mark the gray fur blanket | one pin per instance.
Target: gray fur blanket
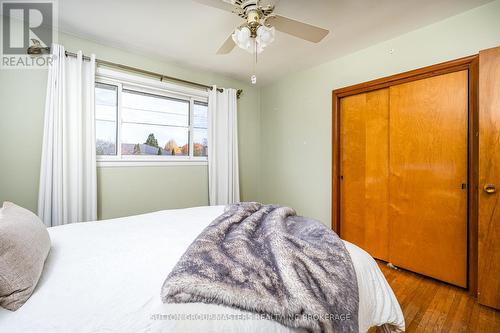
(266, 260)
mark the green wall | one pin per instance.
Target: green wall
(22, 98)
(296, 109)
(121, 190)
(284, 128)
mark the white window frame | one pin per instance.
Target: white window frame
(125, 81)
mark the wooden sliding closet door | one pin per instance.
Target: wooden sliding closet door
(428, 176)
(365, 171)
(489, 178)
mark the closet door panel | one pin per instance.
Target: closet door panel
(365, 171)
(428, 165)
(489, 178)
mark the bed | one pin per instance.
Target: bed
(106, 276)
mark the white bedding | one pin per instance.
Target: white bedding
(106, 277)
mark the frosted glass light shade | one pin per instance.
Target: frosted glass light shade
(242, 38)
(265, 36)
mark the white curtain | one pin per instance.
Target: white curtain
(67, 191)
(223, 175)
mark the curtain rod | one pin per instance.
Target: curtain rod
(144, 72)
(38, 49)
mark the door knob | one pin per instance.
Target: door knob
(490, 188)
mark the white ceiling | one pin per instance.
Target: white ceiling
(189, 33)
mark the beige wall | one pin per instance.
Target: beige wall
(121, 191)
(296, 110)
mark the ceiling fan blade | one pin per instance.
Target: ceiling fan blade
(228, 46)
(298, 29)
(219, 4)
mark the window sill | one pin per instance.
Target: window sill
(149, 163)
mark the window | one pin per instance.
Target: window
(149, 124)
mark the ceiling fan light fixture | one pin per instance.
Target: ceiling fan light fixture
(263, 37)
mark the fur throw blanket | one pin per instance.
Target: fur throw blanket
(267, 260)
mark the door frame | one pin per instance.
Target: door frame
(471, 63)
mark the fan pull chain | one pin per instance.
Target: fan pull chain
(253, 78)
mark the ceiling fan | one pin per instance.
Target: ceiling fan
(260, 24)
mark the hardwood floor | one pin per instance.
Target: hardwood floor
(432, 306)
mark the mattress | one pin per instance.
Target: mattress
(106, 276)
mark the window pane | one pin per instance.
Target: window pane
(200, 115)
(200, 142)
(106, 113)
(140, 139)
(200, 132)
(152, 109)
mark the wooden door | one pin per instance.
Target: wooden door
(365, 171)
(428, 173)
(489, 178)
